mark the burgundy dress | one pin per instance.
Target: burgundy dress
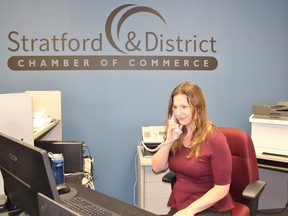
(196, 176)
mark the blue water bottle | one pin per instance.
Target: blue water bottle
(57, 163)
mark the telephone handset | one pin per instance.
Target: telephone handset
(177, 130)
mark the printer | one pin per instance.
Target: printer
(269, 130)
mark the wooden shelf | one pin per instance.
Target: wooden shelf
(37, 133)
(16, 114)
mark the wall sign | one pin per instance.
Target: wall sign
(132, 49)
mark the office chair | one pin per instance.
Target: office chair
(245, 187)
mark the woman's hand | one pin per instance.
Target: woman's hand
(171, 134)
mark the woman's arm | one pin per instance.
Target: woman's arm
(212, 196)
(215, 194)
(160, 158)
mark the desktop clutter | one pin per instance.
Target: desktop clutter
(29, 175)
(65, 161)
(70, 163)
(78, 164)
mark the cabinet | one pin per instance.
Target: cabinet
(270, 136)
(153, 194)
(16, 114)
(273, 170)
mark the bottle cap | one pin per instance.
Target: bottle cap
(55, 156)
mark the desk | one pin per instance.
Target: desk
(270, 135)
(106, 201)
(273, 170)
(110, 203)
(153, 194)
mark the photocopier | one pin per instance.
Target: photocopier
(269, 130)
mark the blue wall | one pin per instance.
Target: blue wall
(107, 108)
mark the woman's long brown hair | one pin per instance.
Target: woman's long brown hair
(203, 125)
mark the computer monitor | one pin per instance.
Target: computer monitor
(49, 207)
(26, 172)
(72, 151)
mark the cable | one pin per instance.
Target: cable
(136, 180)
(88, 169)
(136, 168)
(178, 132)
(159, 146)
(92, 159)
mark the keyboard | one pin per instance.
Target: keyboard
(86, 207)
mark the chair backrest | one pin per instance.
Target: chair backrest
(244, 162)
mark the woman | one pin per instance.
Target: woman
(200, 157)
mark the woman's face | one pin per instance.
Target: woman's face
(182, 110)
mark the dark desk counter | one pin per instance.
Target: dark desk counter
(109, 202)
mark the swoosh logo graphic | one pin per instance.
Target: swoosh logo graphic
(126, 15)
